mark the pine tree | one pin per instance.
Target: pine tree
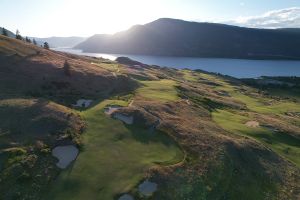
(18, 35)
(67, 68)
(46, 45)
(27, 40)
(4, 32)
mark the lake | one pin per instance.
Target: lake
(239, 68)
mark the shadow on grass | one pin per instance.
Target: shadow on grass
(146, 136)
(276, 137)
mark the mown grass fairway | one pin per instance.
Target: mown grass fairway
(260, 104)
(114, 159)
(284, 144)
(163, 90)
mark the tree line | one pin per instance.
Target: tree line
(18, 36)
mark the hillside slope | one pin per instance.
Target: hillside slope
(196, 135)
(171, 37)
(30, 70)
(36, 114)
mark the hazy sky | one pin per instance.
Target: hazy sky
(43, 18)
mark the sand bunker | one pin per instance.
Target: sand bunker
(111, 109)
(223, 93)
(126, 197)
(252, 124)
(83, 103)
(147, 188)
(124, 118)
(65, 155)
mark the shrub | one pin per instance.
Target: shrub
(46, 45)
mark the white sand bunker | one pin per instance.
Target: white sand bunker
(147, 188)
(126, 197)
(111, 109)
(252, 124)
(83, 103)
(124, 118)
(65, 155)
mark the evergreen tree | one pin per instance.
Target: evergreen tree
(27, 40)
(18, 35)
(46, 45)
(34, 42)
(67, 68)
(4, 32)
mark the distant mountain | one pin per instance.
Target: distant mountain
(61, 41)
(9, 33)
(172, 37)
(53, 41)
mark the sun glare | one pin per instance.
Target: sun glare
(103, 16)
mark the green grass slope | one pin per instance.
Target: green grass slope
(201, 148)
(284, 144)
(162, 90)
(226, 159)
(115, 158)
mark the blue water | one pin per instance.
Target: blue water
(239, 68)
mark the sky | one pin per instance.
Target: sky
(45, 18)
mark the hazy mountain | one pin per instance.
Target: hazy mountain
(9, 33)
(53, 41)
(61, 41)
(172, 37)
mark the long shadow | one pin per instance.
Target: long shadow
(145, 135)
(280, 138)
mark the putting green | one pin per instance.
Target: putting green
(114, 159)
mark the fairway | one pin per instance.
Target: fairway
(163, 90)
(284, 144)
(260, 104)
(114, 160)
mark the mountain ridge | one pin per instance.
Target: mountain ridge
(54, 41)
(173, 37)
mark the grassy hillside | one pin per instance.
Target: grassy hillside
(28, 70)
(282, 143)
(224, 164)
(115, 158)
(29, 129)
(162, 90)
(197, 135)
